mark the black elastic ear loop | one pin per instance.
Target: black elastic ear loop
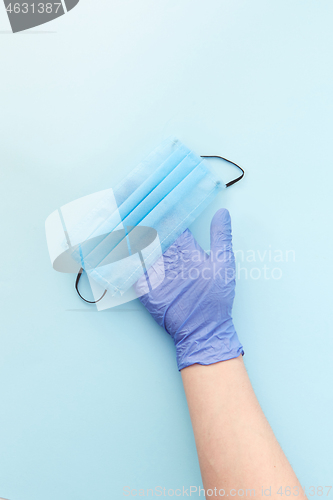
(225, 159)
(77, 289)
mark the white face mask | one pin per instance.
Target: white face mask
(118, 234)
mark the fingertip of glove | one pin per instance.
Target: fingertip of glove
(221, 220)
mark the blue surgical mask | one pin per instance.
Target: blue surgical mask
(120, 237)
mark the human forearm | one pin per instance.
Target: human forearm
(236, 446)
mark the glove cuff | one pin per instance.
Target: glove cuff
(214, 350)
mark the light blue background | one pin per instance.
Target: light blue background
(92, 402)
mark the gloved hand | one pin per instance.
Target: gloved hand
(194, 301)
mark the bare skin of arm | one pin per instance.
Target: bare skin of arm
(236, 446)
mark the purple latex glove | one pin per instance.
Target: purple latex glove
(194, 301)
